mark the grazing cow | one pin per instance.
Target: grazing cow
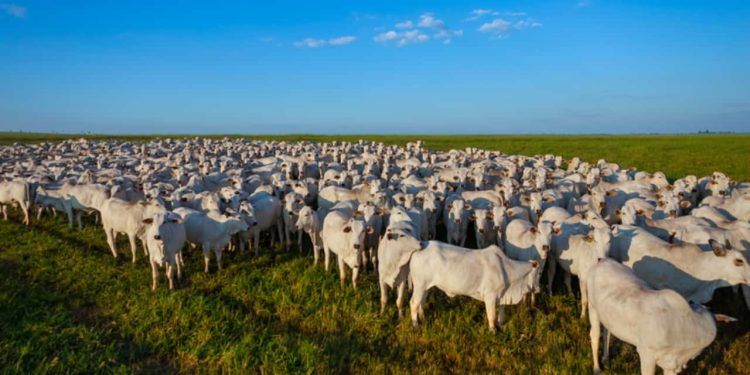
(213, 234)
(16, 192)
(685, 268)
(666, 330)
(165, 238)
(487, 275)
(343, 234)
(83, 198)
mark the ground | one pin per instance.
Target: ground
(67, 305)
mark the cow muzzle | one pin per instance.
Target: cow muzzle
(157, 237)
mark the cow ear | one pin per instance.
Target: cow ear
(611, 193)
(639, 212)
(534, 230)
(467, 207)
(148, 221)
(685, 204)
(534, 264)
(721, 318)
(347, 229)
(370, 230)
(719, 250)
(727, 245)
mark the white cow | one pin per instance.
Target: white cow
(685, 268)
(209, 232)
(344, 235)
(666, 330)
(395, 250)
(16, 192)
(487, 275)
(165, 238)
(577, 253)
(524, 241)
(310, 222)
(119, 216)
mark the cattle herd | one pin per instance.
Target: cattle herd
(647, 252)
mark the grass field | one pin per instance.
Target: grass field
(67, 306)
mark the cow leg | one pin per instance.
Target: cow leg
(383, 296)
(111, 238)
(5, 213)
(280, 231)
(500, 315)
(327, 256)
(400, 298)
(607, 338)
(69, 214)
(568, 284)
(355, 274)
(299, 240)
(217, 252)
(490, 304)
(131, 238)
(648, 362)
(415, 305)
(154, 275)
(551, 270)
(25, 210)
(39, 213)
(342, 270)
(256, 242)
(206, 252)
(594, 335)
(179, 263)
(584, 297)
(170, 273)
(78, 218)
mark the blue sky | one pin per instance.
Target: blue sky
(437, 66)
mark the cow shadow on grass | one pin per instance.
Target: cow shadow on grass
(44, 304)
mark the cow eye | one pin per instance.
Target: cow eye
(739, 262)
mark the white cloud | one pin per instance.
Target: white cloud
(428, 27)
(405, 25)
(427, 20)
(402, 38)
(386, 36)
(498, 25)
(13, 10)
(479, 13)
(317, 43)
(342, 40)
(500, 28)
